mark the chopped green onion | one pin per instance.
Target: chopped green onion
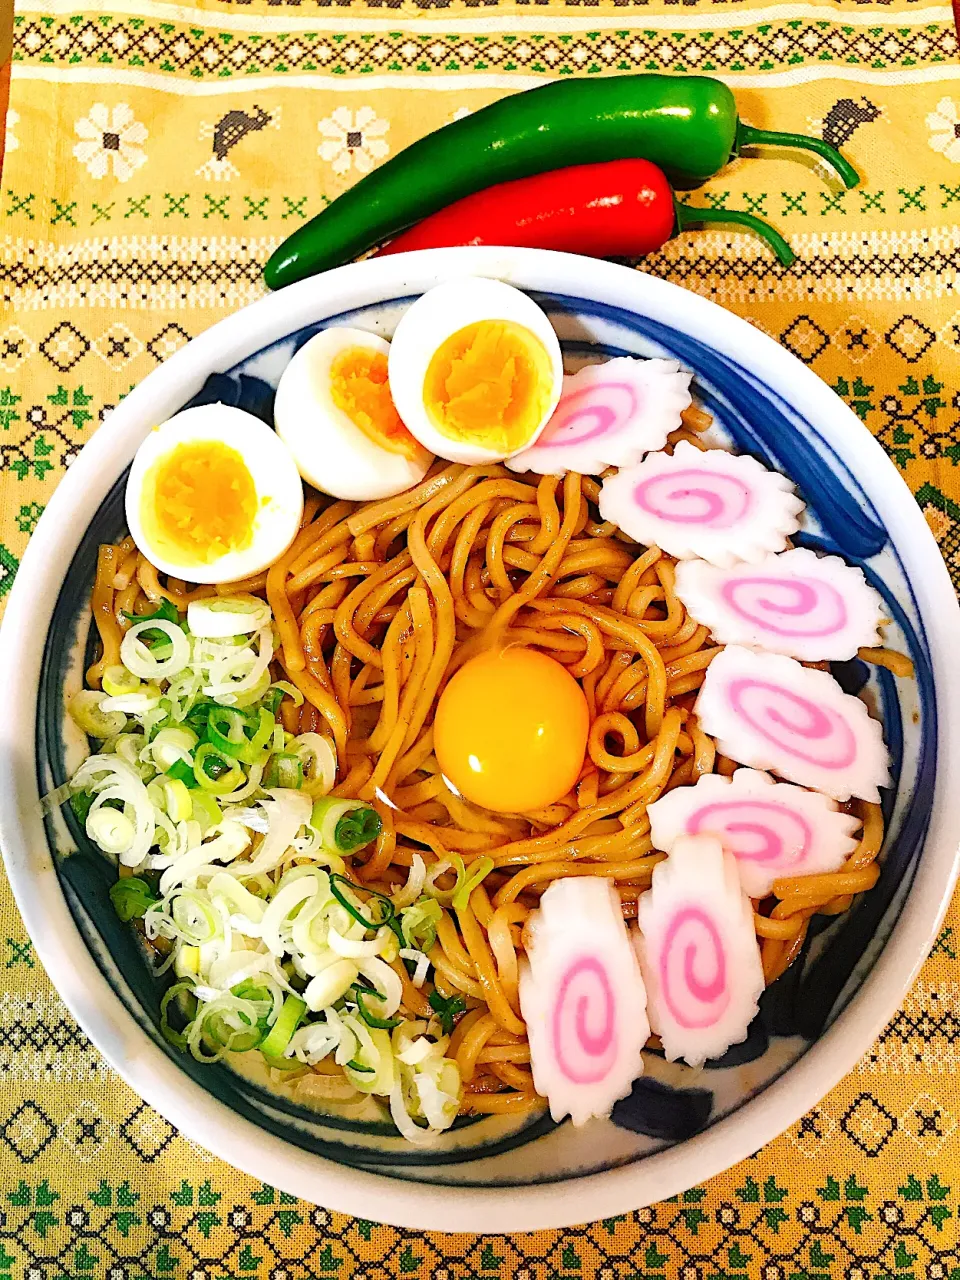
(80, 803)
(215, 774)
(118, 681)
(176, 1038)
(351, 910)
(356, 829)
(84, 708)
(250, 989)
(288, 1019)
(187, 961)
(447, 1009)
(228, 616)
(284, 770)
(110, 827)
(272, 699)
(354, 1065)
(206, 811)
(131, 897)
(478, 871)
(330, 817)
(225, 730)
(178, 802)
(253, 748)
(165, 611)
(419, 924)
(171, 744)
(384, 1024)
(274, 695)
(180, 771)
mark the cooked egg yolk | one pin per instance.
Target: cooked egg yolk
(199, 502)
(359, 388)
(489, 383)
(510, 730)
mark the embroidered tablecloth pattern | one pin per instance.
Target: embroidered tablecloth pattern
(155, 155)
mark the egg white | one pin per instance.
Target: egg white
(428, 323)
(330, 450)
(278, 488)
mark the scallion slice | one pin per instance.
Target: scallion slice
(383, 1024)
(329, 817)
(284, 770)
(387, 906)
(280, 1034)
(215, 774)
(164, 612)
(477, 871)
(356, 829)
(225, 730)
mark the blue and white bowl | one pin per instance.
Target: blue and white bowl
(679, 1126)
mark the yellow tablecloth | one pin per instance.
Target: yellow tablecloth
(155, 155)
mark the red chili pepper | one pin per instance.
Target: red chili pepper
(618, 209)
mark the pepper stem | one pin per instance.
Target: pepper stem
(688, 217)
(748, 136)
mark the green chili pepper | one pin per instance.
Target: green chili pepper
(688, 125)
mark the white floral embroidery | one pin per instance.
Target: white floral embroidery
(353, 139)
(109, 140)
(13, 118)
(944, 126)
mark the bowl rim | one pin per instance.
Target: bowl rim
(99, 1010)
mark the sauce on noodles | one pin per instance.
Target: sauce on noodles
(377, 604)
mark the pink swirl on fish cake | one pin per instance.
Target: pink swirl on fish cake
(703, 504)
(601, 409)
(756, 830)
(813, 608)
(769, 711)
(794, 602)
(771, 718)
(583, 1025)
(695, 496)
(693, 969)
(609, 415)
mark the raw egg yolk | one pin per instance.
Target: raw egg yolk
(199, 502)
(359, 388)
(510, 730)
(489, 383)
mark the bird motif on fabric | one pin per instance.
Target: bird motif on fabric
(227, 132)
(844, 118)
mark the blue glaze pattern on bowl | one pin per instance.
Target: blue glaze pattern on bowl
(671, 1102)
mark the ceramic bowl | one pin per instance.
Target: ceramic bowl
(678, 1126)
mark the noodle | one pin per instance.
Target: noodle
(377, 604)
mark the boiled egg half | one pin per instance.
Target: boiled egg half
(475, 370)
(335, 413)
(213, 495)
